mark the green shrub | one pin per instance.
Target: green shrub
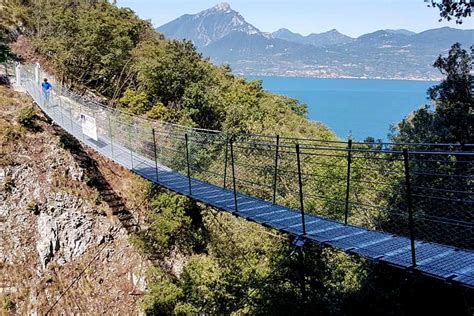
(33, 207)
(161, 298)
(162, 294)
(170, 225)
(26, 117)
(8, 304)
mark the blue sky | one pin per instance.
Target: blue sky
(352, 17)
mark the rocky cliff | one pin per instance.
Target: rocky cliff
(64, 221)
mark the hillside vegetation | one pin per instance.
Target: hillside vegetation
(203, 261)
(119, 56)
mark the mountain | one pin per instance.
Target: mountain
(223, 35)
(208, 26)
(401, 31)
(331, 37)
(287, 35)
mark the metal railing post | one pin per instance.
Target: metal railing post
(156, 155)
(80, 120)
(130, 143)
(275, 173)
(225, 160)
(300, 184)
(71, 116)
(60, 109)
(348, 179)
(187, 159)
(37, 76)
(18, 74)
(233, 172)
(111, 136)
(411, 224)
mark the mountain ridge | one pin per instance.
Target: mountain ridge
(223, 35)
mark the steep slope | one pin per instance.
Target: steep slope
(60, 214)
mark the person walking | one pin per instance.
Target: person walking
(46, 88)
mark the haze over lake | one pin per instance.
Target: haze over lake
(356, 107)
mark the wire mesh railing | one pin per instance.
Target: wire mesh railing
(421, 191)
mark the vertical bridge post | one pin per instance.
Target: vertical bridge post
(18, 74)
(411, 224)
(275, 173)
(300, 184)
(225, 160)
(156, 155)
(130, 142)
(71, 116)
(111, 136)
(187, 159)
(233, 172)
(37, 76)
(348, 179)
(60, 108)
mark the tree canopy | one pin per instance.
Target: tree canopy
(449, 118)
(453, 9)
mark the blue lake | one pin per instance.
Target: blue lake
(354, 107)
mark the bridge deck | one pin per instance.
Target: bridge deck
(435, 260)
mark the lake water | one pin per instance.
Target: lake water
(354, 107)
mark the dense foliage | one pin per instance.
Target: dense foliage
(5, 53)
(97, 45)
(213, 263)
(449, 9)
(449, 119)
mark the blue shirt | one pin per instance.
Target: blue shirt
(46, 86)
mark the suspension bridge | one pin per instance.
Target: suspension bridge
(406, 205)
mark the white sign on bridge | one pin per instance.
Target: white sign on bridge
(88, 126)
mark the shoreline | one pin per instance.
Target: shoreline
(246, 75)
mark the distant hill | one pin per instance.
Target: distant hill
(223, 34)
(331, 37)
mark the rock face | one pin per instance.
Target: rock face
(53, 224)
(64, 231)
(208, 26)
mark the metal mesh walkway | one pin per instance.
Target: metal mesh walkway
(205, 166)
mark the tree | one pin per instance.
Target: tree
(450, 9)
(452, 120)
(445, 197)
(5, 53)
